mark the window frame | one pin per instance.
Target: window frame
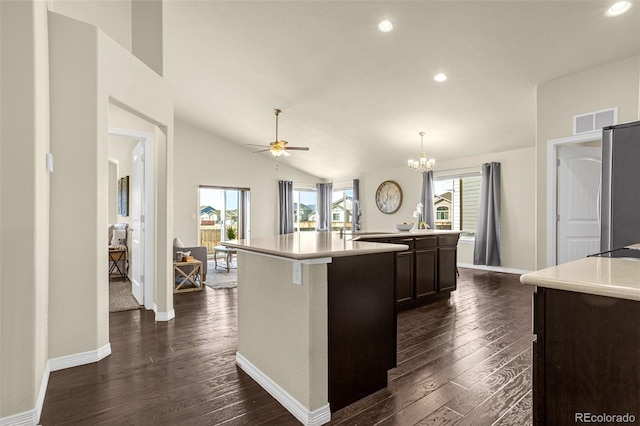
(459, 174)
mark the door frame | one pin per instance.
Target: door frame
(552, 184)
(149, 211)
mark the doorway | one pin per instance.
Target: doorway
(224, 215)
(578, 202)
(579, 211)
(142, 216)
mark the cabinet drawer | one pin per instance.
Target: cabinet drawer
(448, 240)
(426, 242)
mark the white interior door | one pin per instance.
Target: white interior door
(137, 223)
(578, 203)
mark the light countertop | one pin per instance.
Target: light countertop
(311, 245)
(601, 276)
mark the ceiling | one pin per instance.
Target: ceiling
(359, 97)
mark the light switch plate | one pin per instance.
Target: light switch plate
(49, 162)
(297, 273)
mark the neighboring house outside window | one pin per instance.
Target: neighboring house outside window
(456, 202)
(305, 202)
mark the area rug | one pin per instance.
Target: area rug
(120, 297)
(218, 278)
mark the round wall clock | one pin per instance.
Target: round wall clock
(388, 197)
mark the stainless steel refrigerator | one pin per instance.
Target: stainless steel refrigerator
(620, 208)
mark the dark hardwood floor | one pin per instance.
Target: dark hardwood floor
(463, 361)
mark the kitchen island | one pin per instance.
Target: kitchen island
(316, 319)
(586, 355)
(427, 270)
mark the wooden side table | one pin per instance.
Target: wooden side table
(187, 276)
(117, 258)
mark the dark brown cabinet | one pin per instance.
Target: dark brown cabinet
(426, 270)
(447, 269)
(585, 358)
(404, 277)
(362, 326)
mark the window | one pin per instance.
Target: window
(305, 208)
(442, 213)
(456, 201)
(342, 209)
(221, 208)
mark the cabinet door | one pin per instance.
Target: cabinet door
(447, 268)
(426, 273)
(404, 278)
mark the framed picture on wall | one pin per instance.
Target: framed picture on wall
(123, 196)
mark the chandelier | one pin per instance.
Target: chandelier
(422, 165)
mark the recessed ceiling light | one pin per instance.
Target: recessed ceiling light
(618, 8)
(440, 77)
(385, 26)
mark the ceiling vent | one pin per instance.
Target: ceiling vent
(593, 121)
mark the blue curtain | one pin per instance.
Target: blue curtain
(357, 211)
(426, 198)
(285, 196)
(323, 191)
(487, 246)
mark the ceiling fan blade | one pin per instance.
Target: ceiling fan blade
(297, 148)
(261, 146)
(262, 150)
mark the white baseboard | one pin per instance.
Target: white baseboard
(32, 417)
(494, 268)
(26, 418)
(163, 316)
(316, 417)
(82, 358)
(43, 390)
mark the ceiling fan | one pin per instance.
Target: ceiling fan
(279, 147)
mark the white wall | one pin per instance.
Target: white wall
(147, 35)
(90, 71)
(612, 85)
(203, 159)
(24, 207)
(518, 203)
(112, 17)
